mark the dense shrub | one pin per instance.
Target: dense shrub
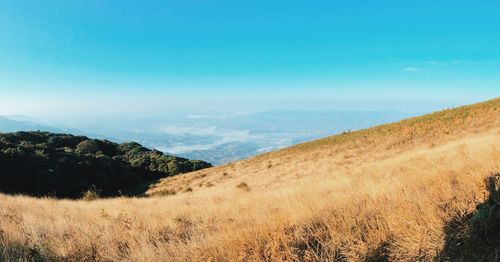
(87, 147)
(61, 165)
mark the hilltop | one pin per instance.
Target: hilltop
(421, 189)
(61, 165)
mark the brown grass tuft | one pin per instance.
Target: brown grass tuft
(243, 186)
(91, 194)
(166, 192)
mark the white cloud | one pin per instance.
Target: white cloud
(220, 136)
(444, 63)
(412, 69)
(434, 62)
(205, 116)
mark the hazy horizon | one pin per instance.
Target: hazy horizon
(216, 138)
(225, 80)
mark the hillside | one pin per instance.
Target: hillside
(422, 189)
(60, 165)
(342, 152)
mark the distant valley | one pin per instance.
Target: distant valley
(219, 138)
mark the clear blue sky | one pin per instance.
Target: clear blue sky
(91, 56)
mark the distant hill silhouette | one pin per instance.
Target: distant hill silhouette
(65, 166)
(13, 125)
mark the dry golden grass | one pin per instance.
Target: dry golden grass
(342, 152)
(387, 193)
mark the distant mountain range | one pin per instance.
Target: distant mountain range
(11, 125)
(16, 123)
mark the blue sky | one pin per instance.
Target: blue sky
(89, 57)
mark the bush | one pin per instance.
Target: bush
(87, 147)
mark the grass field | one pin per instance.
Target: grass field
(399, 192)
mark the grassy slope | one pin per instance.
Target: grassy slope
(341, 152)
(393, 192)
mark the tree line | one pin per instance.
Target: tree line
(64, 166)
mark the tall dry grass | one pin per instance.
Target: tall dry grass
(342, 152)
(393, 209)
(396, 192)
